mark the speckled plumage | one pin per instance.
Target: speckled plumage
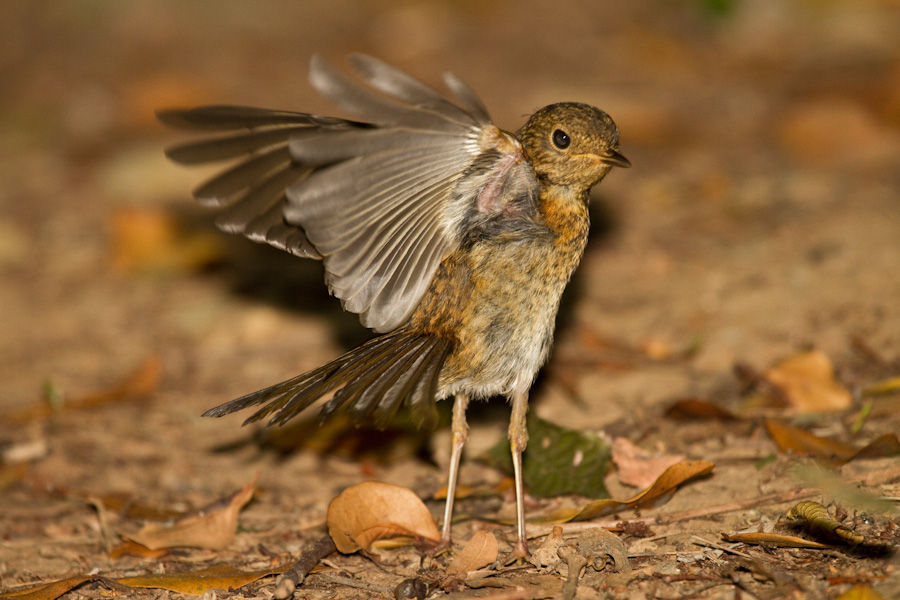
(452, 237)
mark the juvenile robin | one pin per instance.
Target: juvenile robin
(450, 237)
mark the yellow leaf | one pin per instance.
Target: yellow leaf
(774, 539)
(885, 386)
(372, 511)
(48, 591)
(861, 591)
(197, 582)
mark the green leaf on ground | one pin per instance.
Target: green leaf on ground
(558, 460)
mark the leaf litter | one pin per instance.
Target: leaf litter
(783, 259)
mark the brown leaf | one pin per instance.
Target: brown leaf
(802, 443)
(130, 548)
(197, 582)
(806, 381)
(48, 591)
(480, 551)
(372, 511)
(774, 539)
(689, 409)
(636, 466)
(882, 446)
(211, 527)
(142, 382)
(655, 495)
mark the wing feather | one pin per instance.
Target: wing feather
(381, 200)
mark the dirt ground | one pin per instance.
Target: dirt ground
(761, 219)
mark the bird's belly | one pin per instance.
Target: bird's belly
(509, 319)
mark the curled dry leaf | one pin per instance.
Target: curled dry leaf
(480, 551)
(807, 382)
(636, 466)
(211, 527)
(372, 511)
(655, 495)
(597, 543)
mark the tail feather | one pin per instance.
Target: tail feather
(362, 396)
(374, 380)
(424, 386)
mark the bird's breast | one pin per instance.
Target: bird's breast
(497, 300)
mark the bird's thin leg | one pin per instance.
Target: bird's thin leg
(518, 439)
(460, 430)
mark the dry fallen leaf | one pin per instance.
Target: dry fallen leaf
(806, 381)
(655, 495)
(689, 409)
(130, 548)
(371, 511)
(47, 591)
(211, 527)
(197, 582)
(861, 591)
(773, 539)
(480, 551)
(802, 443)
(636, 466)
(141, 382)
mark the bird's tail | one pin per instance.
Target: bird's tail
(373, 381)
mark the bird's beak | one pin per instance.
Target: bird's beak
(612, 157)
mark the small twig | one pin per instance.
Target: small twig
(360, 585)
(701, 542)
(685, 515)
(105, 531)
(288, 582)
(576, 562)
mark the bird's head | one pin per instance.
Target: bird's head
(571, 144)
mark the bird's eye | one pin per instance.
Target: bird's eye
(561, 139)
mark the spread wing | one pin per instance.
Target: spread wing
(381, 202)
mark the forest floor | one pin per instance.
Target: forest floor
(760, 224)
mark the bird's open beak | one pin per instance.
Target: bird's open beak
(612, 157)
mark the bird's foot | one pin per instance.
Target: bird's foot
(519, 555)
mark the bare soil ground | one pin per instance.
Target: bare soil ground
(761, 219)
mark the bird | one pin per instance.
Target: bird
(451, 238)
